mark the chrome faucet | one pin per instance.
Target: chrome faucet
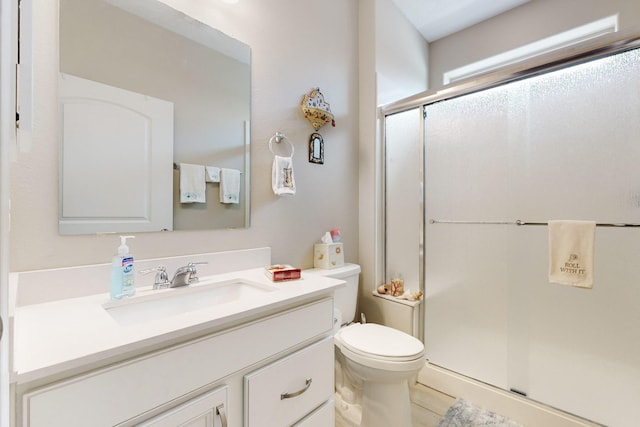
(162, 279)
(185, 275)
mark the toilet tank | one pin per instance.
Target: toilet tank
(345, 298)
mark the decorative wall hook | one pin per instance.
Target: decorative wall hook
(316, 110)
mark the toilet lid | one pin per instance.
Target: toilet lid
(381, 341)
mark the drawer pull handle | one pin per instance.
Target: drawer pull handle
(297, 393)
(221, 413)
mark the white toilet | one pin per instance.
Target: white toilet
(373, 362)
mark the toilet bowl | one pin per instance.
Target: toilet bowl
(378, 361)
(373, 363)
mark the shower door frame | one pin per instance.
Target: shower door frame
(597, 48)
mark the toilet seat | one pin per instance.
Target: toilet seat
(380, 347)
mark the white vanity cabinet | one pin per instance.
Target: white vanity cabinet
(187, 384)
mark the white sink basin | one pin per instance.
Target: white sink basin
(159, 304)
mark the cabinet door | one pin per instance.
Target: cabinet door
(208, 410)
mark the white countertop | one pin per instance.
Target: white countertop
(58, 336)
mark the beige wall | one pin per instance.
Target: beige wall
(525, 24)
(296, 46)
(402, 55)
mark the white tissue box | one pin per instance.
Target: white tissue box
(328, 255)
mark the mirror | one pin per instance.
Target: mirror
(199, 76)
(316, 148)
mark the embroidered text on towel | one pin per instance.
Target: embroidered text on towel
(572, 266)
(287, 177)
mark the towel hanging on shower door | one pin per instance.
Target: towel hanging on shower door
(571, 252)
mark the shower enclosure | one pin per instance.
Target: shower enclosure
(557, 137)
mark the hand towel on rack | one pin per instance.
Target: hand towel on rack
(229, 185)
(192, 183)
(282, 180)
(212, 173)
(571, 252)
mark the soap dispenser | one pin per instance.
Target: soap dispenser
(122, 274)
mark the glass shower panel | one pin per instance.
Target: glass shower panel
(466, 276)
(403, 197)
(582, 152)
(561, 145)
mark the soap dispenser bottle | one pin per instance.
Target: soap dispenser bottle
(122, 274)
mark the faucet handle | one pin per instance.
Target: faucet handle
(193, 272)
(162, 278)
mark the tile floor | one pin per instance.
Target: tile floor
(427, 406)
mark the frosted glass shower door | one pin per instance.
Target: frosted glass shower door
(561, 145)
(403, 197)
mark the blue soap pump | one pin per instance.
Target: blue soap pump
(122, 274)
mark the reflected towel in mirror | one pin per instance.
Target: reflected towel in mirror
(229, 185)
(192, 183)
(213, 173)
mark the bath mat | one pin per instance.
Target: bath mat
(464, 414)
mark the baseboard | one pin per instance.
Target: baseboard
(511, 405)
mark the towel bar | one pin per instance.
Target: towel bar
(176, 167)
(520, 222)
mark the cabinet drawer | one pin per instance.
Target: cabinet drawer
(285, 391)
(324, 416)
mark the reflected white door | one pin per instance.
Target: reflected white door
(8, 59)
(116, 171)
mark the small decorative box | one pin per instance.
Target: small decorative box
(279, 273)
(328, 255)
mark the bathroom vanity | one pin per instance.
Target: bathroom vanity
(254, 353)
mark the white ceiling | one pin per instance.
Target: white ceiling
(435, 19)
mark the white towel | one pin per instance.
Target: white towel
(192, 184)
(282, 180)
(571, 252)
(229, 185)
(213, 173)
